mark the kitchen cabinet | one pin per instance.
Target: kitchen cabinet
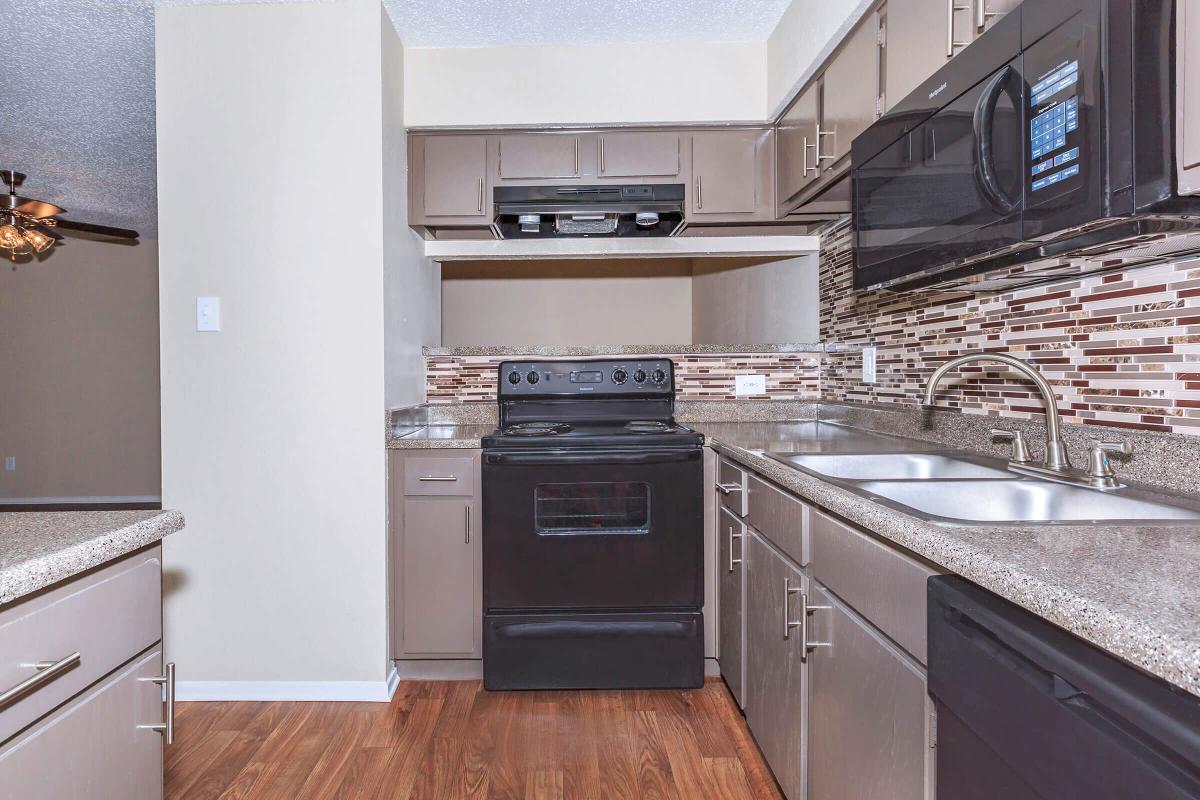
(640, 154)
(543, 156)
(850, 89)
(869, 712)
(731, 533)
(448, 179)
(436, 554)
(776, 673)
(796, 137)
(1188, 102)
(731, 176)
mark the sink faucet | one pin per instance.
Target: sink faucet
(1056, 451)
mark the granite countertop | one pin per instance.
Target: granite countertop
(1133, 591)
(450, 436)
(40, 548)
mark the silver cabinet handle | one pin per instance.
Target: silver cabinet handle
(806, 611)
(951, 43)
(480, 207)
(733, 536)
(820, 156)
(167, 726)
(435, 478)
(982, 15)
(601, 155)
(788, 591)
(804, 157)
(699, 193)
(47, 671)
(576, 156)
(727, 488)
(468, 526)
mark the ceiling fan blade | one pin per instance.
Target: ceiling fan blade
(30, 208)
(101, 230)
(46, 229)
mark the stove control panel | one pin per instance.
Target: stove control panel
(595, 377)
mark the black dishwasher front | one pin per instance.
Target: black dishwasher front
(1028, 711)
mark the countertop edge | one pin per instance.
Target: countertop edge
(25, 578)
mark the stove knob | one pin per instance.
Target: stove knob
(659, 376)
(639, 376)
(619, 376)
(514, 377)
(533, 377)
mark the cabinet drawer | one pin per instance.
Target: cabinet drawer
(107, 617)
(878, 581)
(731, 486)
(430, 475)
(780, 517)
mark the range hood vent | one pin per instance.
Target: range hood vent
(537, 212)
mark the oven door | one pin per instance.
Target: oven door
(593, 530)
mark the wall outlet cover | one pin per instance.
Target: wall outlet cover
(868, 361)
(208, 314)
(10, 463)
(749, 384)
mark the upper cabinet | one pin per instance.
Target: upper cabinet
(796, 136)
(526, 156)
(448, 179)
(731, 176)
(640, 154)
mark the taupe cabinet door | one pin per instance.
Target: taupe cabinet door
(724, 172)
(917, 44)
(1188, 80)
(776, 677)
(92, 749)
(639, 154)
(455, 176)
(440, 608)
(851, 89)
(796, 140)
(867, 714)
(731, 543)
(538, 155)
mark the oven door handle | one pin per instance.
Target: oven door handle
(598, 457)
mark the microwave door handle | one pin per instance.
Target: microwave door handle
(985, 157)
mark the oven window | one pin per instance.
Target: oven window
(588, 509)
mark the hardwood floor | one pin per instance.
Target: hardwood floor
(449, 740)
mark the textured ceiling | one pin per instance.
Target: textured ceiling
(490, 23)
(77, 112)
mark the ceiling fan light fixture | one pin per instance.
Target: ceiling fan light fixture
(39, 241)
(11, 238)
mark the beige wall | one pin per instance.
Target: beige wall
(585, 84)
(271, 430)
(635, 301)
(804, 36)
(751, 302)
(79, 360)
(411, 282)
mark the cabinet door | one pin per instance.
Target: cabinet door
(858, 680)
(776, 677)
(917, 44)
(1188, 82)
(538, 155)
(730, 545)
(851, 88)
(795, 139)
(92, 748)
(639, 154)
(441, 613)
(455, 176)
(725, 172)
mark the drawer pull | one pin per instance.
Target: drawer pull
(167, 727)
(47, 671)
(728, 488)
(430, 478)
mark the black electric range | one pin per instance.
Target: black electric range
(593, 530)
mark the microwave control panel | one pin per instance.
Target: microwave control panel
(1053, 137)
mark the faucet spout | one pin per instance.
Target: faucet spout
(1056, 450)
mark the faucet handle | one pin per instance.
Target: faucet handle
(1098, 463)
(1020, 450)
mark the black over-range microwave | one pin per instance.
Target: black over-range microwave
(1054, 145)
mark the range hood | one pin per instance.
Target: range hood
(541, 212)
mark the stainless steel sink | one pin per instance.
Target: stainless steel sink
(1023, 501)
(891, 466)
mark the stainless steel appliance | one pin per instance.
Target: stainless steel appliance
(593, 530)
(1046, 149)
(537, 212)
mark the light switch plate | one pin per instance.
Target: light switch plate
(10, 463)
(868, 358)
(208, 314)
(749, 384)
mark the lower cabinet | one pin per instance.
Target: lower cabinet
(731, 543)
(94, 748)
(776, 676)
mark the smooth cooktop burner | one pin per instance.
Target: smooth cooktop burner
(537, 429)
(649, 426)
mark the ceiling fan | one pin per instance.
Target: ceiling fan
(29, 226)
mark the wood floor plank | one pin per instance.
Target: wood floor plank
(452, 740)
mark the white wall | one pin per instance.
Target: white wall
(411, 282)
(804, 36)
(271, 428)
(752, 302)
(589, 84)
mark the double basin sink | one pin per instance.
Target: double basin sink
(954, 488)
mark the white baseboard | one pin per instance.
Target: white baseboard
(712, 669)
(460, 669)
(293, 691)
